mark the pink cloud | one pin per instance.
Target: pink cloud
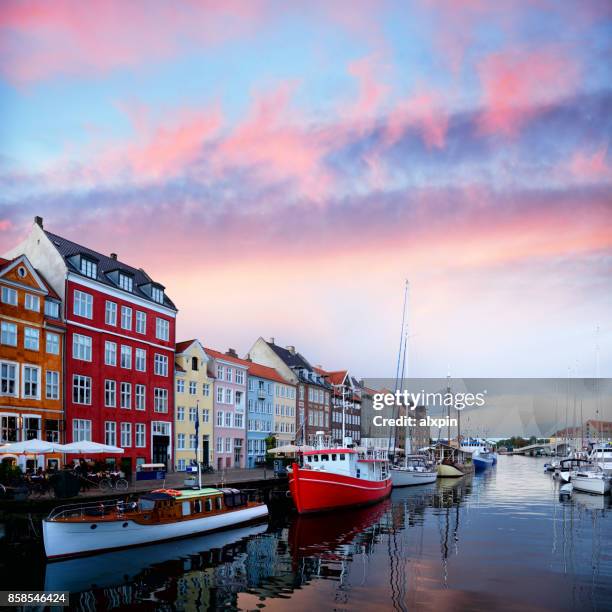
(371, 90)
(590, 166)
(516, 83)
(5, 225)
(41, 39)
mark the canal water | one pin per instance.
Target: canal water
(500, 540)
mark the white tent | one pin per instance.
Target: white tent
(32, 447)
(290, 448)
(86, 447)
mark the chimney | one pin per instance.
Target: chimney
(291, 349)
(232, 352)
(114, 256)
(271, 340)
(39, 222)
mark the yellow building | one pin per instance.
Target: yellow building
(284, 413)
(193, 389)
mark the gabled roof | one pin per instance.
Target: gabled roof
(225, 357)
(256, 369)
(181, 347)
(67, 248)
(8, 263)
(297, 363)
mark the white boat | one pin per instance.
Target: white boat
(601, 455)
(591, 481)
(568, 468)
(414, 471)
(157, 516)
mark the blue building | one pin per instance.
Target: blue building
(260, 418)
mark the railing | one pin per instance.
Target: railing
(91, 509)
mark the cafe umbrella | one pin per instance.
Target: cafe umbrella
(87, 447)
(32, 447)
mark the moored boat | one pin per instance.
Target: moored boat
(332, 478)
(80, 529)
(601, 454)
(414, 471)
(452, 462)
(591, 481)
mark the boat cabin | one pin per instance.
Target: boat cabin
(369, 465)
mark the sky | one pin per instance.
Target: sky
(282, 168)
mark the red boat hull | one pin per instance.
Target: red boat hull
(317, 491)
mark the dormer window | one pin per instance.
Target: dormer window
(126, 282)
(89, 267)
(157, 294)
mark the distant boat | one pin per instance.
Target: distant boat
(414, 471)
(482, 457)
(166, 514)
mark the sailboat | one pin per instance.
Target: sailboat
(414, 470)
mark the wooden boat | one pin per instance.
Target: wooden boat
(414, 471)
(452, 462)
(81, 529)
(333, 478)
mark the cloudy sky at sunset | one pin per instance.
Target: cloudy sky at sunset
(282, 167)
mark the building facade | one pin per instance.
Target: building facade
(313, 402)
(285, 397)
(229, 404)
(194, 389)
(31, 361)
(119, 361)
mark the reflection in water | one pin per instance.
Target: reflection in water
(501, 539)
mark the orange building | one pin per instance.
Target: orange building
(31, 351)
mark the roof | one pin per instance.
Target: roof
(50, 291)
(296, 361)
(181, 347)
(337, 377)
(178, 367)
(67, 248)
(219, 355)
(256, 369)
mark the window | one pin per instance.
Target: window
(110, 393)
(228, 396)
(9, 383)
(31, 338)
(180, 413)
(126, 357)
(126, 435)
(228, 419)
(205, 389)
(180, 441)
(8, 333)
(162, 329)
(206, 415)
(9, 296)
(52, 385)
(89, 268)
(126, 395)
(81, 347)
(141, 397)
(52, 343)
(180, 386)
(181, 465)
(141, 430)
(219, 444)
(52, 430)
(239, 377)
(81, 389)
(52, 309)
(81, 430)
(228, 374)
(238, 420)
(110, 433)
(126, 317)
(195, 363)
(83, 304)
(219, 372)
(228, 445)
(32, 302)
(141, 322)
(220, 395)
(110, 313)
(193, 415)
(31, 382)
(126, 282)
(220, 418)
(110, 353)
(193, 387)
(157, 294)
(141, 360)
(161, 365)
(160, 400)
(192, 441)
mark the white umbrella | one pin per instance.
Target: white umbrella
(86, 447)
(290, 448)
(32, 447)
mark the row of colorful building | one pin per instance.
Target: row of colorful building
(88, 352)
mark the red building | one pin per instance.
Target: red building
(120, 338)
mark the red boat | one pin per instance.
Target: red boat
(333, 478)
